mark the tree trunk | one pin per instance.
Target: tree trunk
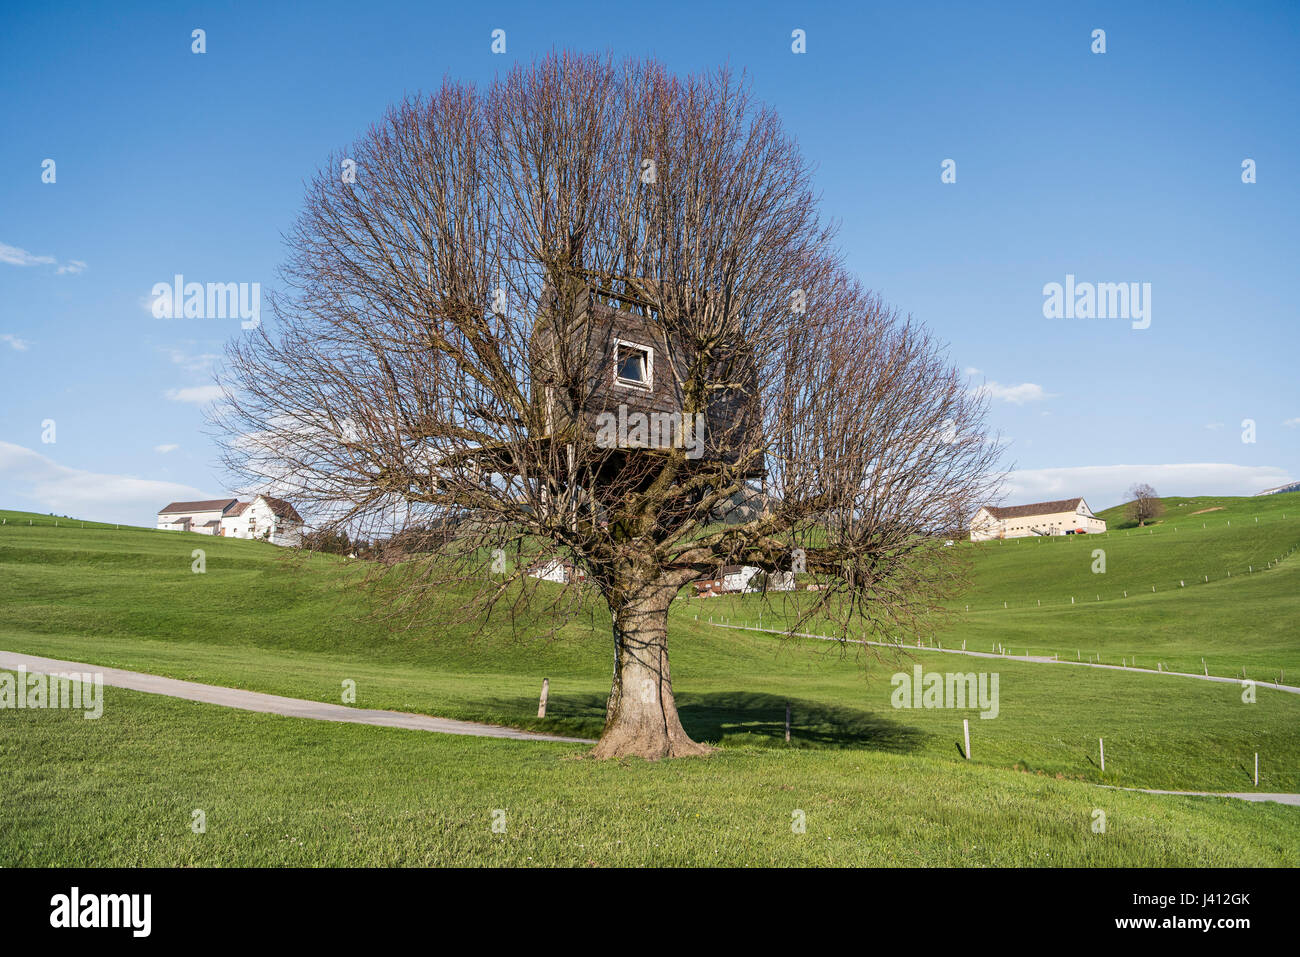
(641, 719)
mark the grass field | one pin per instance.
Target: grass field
(278, 791)
(1244, 616)
(128, 598)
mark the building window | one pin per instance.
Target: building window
(633, 365)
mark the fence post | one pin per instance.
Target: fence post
(541, 705)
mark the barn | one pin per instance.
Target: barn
(1067, 516)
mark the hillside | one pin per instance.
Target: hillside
(269, 620)
(1151, 604)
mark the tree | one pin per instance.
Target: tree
(1145, 505)
(332, 541)
(431, 363)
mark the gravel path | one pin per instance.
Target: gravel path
(273, 704)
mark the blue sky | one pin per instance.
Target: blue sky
(1122, 166)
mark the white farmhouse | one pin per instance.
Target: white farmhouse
(559, 570)
(270, 519)
(202, 517)
(738, 579)
(1068, 516)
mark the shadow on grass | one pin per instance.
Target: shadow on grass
(754, 718)
(736, 717)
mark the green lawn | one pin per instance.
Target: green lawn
(278, 791)
(259, 619)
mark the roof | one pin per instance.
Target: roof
(212, 524)
(281, 509)
(1037, 508)
(212, 505)
(238, 509)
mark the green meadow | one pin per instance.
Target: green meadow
(877, 784)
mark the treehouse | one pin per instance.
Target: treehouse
(612, 387)
(606, 368)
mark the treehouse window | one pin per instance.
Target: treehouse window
(633, 365)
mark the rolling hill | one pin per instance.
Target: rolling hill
(267, 620)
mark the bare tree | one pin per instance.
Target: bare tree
(591, 314)
(1145, 505)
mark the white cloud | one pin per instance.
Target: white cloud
(164, 449)
(1292, 423)
(14, 342)
(1017, 394)
(49, 487)
(1107, 485)
(971, 370)
(15, 256)
(197, 394)
(21, 257)
(1214, 426)
(197, 362)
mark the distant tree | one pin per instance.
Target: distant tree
(331, 540)
(1145, 505)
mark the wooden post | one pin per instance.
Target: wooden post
(965, 727)
(541, 705)
(1101, 745)
(787, 722)
(1256, 769)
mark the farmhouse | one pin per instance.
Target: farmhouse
(558, 570)
(739, 579)
(270, 519)
(202, 517)
(1067, 516)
